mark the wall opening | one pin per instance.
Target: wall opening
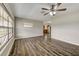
(47, 31)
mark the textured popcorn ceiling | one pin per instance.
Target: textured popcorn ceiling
(32, 10)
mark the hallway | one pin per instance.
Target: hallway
(38, 46)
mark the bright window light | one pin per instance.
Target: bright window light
(28, 25)
(49, 22)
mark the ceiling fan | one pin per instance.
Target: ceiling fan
(53, 9)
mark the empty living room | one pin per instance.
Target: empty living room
(39, 29)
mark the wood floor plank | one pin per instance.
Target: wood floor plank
(38, 46)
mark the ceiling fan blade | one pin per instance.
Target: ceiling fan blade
(45, 9)
(46, 13)
(61, 9)
(58, 4)
(52, 6)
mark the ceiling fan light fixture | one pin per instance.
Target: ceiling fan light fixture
(54, 8)
(54, 12)
(51, 13)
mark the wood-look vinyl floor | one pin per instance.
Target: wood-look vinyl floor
(38, 46)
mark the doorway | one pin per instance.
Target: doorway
(47, 31)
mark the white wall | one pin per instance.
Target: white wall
(66, 28)
(24, 32)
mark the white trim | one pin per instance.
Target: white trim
(67, 42)
(28, 37)
(6, 50)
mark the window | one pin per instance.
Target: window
(6, 27)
